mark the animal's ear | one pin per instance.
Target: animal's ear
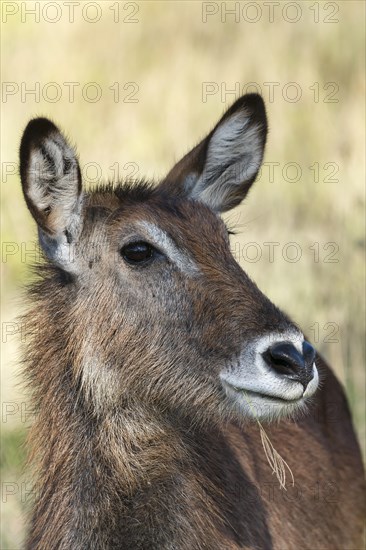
(221, 168)
(51, 182)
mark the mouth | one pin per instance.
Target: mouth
(265, 396)
(260, 405)
(280, 387)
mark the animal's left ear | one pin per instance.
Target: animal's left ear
(221, 168)
(51, 182)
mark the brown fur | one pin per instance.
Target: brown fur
(135, 444)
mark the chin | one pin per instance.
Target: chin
(265, 408)
(269, 405)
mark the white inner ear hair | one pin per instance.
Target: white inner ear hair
(49, 184)
(234, 155)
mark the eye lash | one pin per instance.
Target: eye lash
(230, 231)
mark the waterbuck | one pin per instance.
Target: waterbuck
(154, 360)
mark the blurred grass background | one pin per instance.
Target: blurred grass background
(168, 51)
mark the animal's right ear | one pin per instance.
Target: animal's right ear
(220, 170)
(51, 182)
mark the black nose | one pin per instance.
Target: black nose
(284, 358)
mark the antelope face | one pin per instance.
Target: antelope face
(204, 312)
(161, 312)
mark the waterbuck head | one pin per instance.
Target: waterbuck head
(143, 301)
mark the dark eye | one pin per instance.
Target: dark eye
(137, 253)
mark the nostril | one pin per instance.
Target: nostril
(287, 360)
(309, 353)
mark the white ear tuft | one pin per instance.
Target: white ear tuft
(220, 170)
(234, 157)
(51, 182)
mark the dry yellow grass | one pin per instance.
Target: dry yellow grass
(167, 61)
